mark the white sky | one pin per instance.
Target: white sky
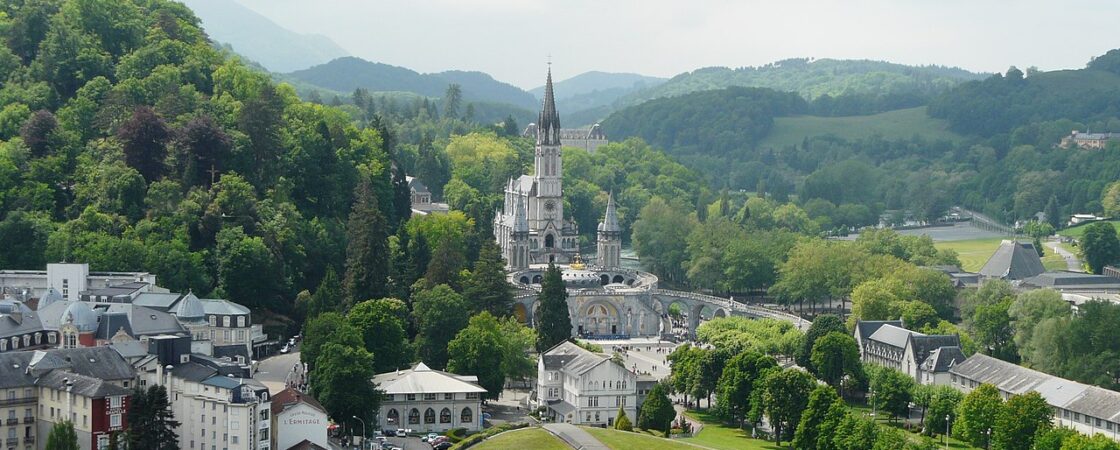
(511, 39)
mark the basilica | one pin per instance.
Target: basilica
(531, 227)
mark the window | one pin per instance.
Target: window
(213, 321)
(233, 439)
(411, 397)
(240, 321)
(115, 420)
(393, 416)
(429, 396)
(51, 338)
(1098, 423)
(225, 321)
(449, 396)
(115, 402)
(414, 416)
(466, 416)
(472, 396)
(445, 415)
(430, 416)
(596, 416)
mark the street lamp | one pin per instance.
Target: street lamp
(989, 433)
(946, 432)
(363, 430)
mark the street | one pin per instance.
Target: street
(273, 371)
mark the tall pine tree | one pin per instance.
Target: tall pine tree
(487, 288)
(367, 248)
(554, 324)
(402, 198)
(150, 420)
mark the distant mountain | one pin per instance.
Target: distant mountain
(349, 73)
(585, 98)
(814, 78)
(256, 37)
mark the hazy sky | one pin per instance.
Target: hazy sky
(511, 39)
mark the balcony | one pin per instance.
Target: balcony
(29, 439)
(11, 421)
(11, 442)
(28, 419)
(17, 400)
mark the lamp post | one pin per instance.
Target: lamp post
(946, 432)
(989, 444)
(363, 430)
(69, 399)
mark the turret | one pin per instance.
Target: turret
(609, 243)
(519, 251)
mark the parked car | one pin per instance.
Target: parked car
(429, 437)
(442, 445)
(284, 349)
(439, 440)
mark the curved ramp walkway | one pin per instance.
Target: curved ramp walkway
(575, 437)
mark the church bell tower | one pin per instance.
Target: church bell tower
(547, 163)
(608, 247)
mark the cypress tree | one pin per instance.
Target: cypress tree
(657, 411)
(621, 422)
(487, 289)
(62, 437)
(367, 249)
(554, 324)
(402, 198)
(150, 420)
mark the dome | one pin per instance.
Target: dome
(190, 308)
(81, 316)
(10, 306)
(51, 296)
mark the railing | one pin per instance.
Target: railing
(29, 419)
(12, 442)
(29, 439)
(11, 421)
(17, 400)
(757, 311)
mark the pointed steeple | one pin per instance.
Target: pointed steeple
(548, 124)
(520, 222)
(610, 220)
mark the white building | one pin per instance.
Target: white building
(67, 278)
(586, 388)
(1087, 409)
(219, 406)
(887, 343)
(298, 420)
(427, 400)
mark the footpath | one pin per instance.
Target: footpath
(575, 437)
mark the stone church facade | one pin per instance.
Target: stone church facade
(531, 227)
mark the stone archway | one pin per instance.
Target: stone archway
(599, 318)
(537, 279)
(524, 279)
(604, 279)
(549, 241)
(618, 279)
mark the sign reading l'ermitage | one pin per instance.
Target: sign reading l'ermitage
(303, 418)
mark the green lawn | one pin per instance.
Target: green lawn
(1076, 232)
(862, 408)
(898, 124)
(972, 253)
(719, 436)
(526, 438)
(622, 440)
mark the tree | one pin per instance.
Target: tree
(329, 296)
(1100, 246)
(452, 99)
(977, 413)
(943, 402)
(554, 323)
(248, 272)
(206, 147)
(341, 380)
(24, 240)
(317, 331)
(62, 437)
(367, 248)
(145, 137)
(785, 396)
(151, 423)
(479, 350)
(657, 411)
(807, 436)
(991, 327)
(381, 325)
(621, 422)
(39, 133)
(260, 119)
(1019, 421)
(733, 390)
(856, 433)
(1028, 311)
(660, 236)
(439, 314)
(1053, 217)
(822, 325)
(835, 356)
(891, 390)
(487, 287)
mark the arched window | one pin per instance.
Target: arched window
(393, 417)
(430, 416)
(466, 416)
(414, 416)
(445, 415)
(549, 241)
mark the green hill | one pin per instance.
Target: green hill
(898, 124)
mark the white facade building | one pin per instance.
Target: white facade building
(427, 400)
(586, 388)
(67, 278)
(298, 418)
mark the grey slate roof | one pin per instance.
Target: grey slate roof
(942, 359)
(155, 300)
(81, 384)
(1073, 280)
(1013, 260)
(111, 322)
(422, 379)
(924, 344)
(13, 370)
(130, 349)
(892, 335)
(231, 351)
(223, 307)
(415, 185)
(97, 362)
(868, 327)
(147, 321)
(18, 325)
(1058, 392)
(193, 371)
(571, 358)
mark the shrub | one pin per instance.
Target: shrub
(623, 422)
(474, 439)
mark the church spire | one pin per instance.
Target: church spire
(520, 222)
(548, 124)
(610, 220)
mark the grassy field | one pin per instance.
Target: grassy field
(527, 438)
(974, 253)
(719, 436)
(1076, 232)
(622, 440)
(898, 124)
